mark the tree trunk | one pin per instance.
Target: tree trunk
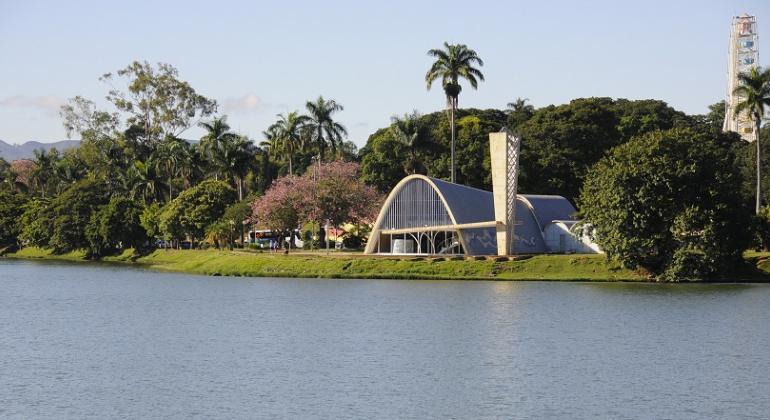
(759, 165)
(452, 123)
(290, 169)
(321, 143)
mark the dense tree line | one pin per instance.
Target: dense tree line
(136, 178)
(560, 142)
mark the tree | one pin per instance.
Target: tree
(377, 161)
(141, 182)
(71, 168)
(384, 156)
(279, 209)
(150, 220)
(669, 202)
(561, 142)
(231, 224)
(287, 132)
(338, 195)
(217, 135)
(190, 213)
(321, 123)
(519, 111)
(156, 100)
(407, 131)
(116, 226)
(11, 208)
(70, 212)
(81, 116)
(237, 157)
(36, 223)
(754, 94)
(44, 176)
(453, 62)
(332, 192)
(715, 118)
(170, 156)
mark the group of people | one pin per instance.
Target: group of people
(275, 245)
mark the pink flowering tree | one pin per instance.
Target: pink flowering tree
(339, 196)
(330, 192)
(278, 208)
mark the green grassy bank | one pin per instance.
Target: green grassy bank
(240, 263)
(243, 263)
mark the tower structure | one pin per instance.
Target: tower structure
(743, 54)
(504, 152)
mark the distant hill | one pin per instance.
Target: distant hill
(11, 152)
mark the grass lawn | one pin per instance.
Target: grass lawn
(357, 265)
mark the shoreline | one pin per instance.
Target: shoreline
(240, 263)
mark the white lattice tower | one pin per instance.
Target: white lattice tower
(504, 148)
(743, 55)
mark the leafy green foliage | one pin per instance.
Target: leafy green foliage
(150, 220)
(70, 212)
(324, 131)
(386, 158)
(11, 208)
(559, 143)
(195, 209)
(669, 202)
(36, 223)
(231, 224)
(116, 226)
(157, 100)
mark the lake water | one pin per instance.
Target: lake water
(96, 341)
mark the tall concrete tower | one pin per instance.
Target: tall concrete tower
(742, 56)
(504, 150)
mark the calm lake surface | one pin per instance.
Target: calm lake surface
(96, 341)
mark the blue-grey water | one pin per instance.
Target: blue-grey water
(95, 341)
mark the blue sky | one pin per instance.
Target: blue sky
(261, 58)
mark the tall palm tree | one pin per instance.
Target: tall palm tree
(217, 132)
(453, 62)
(170, 155)
(288, 132)
(323, 127)
(754, 94)
(238, 157)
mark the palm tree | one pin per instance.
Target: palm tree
(519, 111)
(238, 157)
(322, 125)
(288, 133)
(520, 105)
(45, 174)
(453, 62)
(754, 94)
(217, 132)
(407, 132)
(170, 155)
(140, 182)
